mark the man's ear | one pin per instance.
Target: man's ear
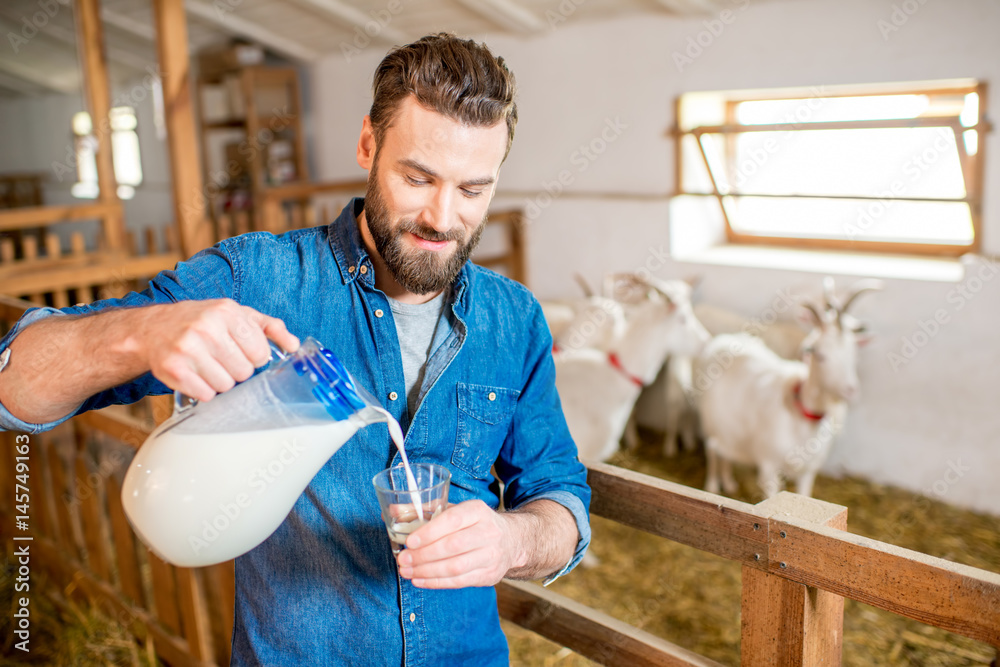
(366, 145)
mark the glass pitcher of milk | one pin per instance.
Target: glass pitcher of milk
(217, 478)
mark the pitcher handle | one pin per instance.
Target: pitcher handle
(184, 403)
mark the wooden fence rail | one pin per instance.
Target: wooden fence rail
(799, 564)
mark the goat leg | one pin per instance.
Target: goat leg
(631, 433)
(729, 484)
(712, 473)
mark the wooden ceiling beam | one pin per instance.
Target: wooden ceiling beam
(507, 14)
(351, 17)
(236, 25)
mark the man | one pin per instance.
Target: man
(459, 355)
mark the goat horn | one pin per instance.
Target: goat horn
(859, 288)
(812, 309)
(584, 285)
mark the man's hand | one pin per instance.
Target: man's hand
(203, 348)
(470, 544)
(200, 348)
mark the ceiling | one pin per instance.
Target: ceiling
(42, 61)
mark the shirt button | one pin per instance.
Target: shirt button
(492, 396)
(379, 313)
(393, 396)
(363, 269)
(413, 617)
(350, 269)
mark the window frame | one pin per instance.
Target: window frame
(972, 165)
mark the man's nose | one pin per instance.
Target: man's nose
(440, 211)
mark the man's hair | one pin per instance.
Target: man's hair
(456, 77)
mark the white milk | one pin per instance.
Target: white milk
(198, 499)
(397, 437)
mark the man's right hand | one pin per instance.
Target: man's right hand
(199, 348)
(203, 348)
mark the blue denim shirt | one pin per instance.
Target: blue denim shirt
(323, 589)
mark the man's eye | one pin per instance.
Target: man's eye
(471, 193)
(415, 181)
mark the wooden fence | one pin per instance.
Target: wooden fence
(798, 562)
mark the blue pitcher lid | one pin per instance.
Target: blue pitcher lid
(334, 388)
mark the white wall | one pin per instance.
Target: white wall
(913, 422)
(36, 136)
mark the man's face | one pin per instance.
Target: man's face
(429, 186)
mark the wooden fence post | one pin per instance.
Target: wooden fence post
(785, 623)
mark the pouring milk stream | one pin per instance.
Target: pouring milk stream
(269, 436)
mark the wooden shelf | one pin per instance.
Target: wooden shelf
(264, 101)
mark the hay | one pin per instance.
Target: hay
(684, 595)
(693, 599)
(64, 631)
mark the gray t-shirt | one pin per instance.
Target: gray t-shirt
(416, 325)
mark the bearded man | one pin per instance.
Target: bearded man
(459, 355)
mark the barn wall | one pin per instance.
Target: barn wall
(929, 423)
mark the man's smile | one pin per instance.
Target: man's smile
(426, 244)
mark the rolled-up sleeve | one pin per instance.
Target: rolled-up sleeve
(539, 458)
(209, 274)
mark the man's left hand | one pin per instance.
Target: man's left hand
(468, 544)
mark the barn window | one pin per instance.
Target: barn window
(124, 151)
(889, 168)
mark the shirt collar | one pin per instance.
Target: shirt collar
(346, 243)
(351, 254)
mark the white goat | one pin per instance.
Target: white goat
(780, 415)
(594, 321)
(598, 388)
(680, 413)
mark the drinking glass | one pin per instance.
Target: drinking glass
(404, 510)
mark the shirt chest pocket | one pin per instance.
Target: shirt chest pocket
(484, 417)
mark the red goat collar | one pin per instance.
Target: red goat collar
(616, 363)
(797, 392)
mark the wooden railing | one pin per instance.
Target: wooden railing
(297, 205)
(798, 562)
(37, 266)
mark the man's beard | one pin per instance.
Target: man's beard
(418, 271)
